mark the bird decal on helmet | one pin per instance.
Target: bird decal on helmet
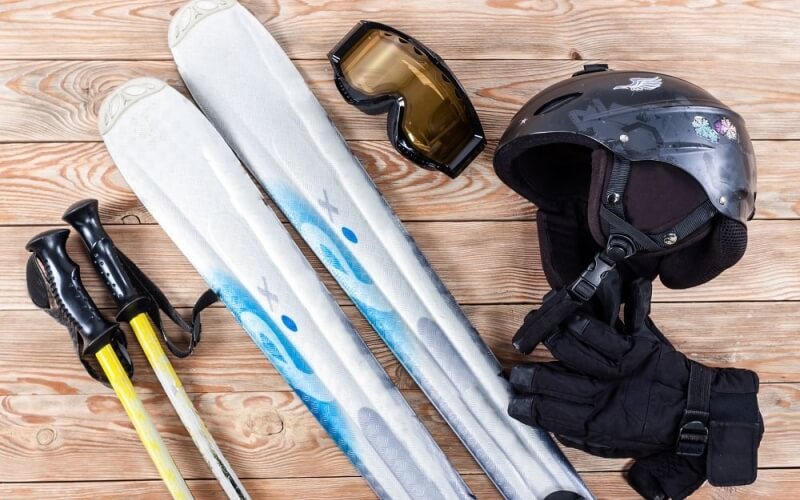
(641, 84)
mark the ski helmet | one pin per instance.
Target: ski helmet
(632, 166)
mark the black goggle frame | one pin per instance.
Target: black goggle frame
(395, 103)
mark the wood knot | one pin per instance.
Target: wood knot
(131, 219)
(575, 55)
(263, 423)
(45, 437)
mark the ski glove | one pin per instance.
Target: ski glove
(622, 390)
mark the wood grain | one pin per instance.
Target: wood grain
(481, 262)
(58, 100)
(509, 29)
(39, 180)
(62, 435)
(263, 435)
(772, 483)
(721, 334)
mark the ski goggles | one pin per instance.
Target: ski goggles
(431, 121)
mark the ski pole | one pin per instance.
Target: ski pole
(135, 307)
(93, 335)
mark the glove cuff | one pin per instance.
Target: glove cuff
(718, 439)
(735, 429)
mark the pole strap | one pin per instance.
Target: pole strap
(159, 303)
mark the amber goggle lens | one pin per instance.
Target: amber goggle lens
(435, 119)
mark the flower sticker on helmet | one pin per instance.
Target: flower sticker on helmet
(702, 127)
(723, 126)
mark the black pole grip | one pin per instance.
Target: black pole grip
(85, 218)
(63, 278)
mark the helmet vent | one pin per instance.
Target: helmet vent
(556, 103)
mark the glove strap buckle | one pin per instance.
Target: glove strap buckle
(693, 434)
(693, 437)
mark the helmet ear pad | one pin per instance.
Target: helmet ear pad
(706, 258)
(657, 196)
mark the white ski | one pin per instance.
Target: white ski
(256, 98)
(193, 184)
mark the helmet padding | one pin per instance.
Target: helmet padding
(658, 196)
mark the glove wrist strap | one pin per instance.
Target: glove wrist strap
(693, 432)
(729, 438)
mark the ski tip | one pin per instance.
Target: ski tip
(191, 14)
(123, 98)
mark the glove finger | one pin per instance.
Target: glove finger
(607, 301)
(590, 346)
(637, 312)
(606, 340)
(542, 322)
(552, 398)
(551, 414)
(637, 304)
(555, 381)
(601, 352)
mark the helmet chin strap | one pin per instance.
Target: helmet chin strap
(560, 304)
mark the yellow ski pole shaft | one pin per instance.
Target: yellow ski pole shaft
(54, 284)
(142, 422)
(134, 295)
(148, 339)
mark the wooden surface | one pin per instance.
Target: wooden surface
(64, 436)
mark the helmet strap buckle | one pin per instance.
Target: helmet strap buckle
(618, 248)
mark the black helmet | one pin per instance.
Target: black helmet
(638, 166)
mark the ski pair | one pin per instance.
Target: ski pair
(193, 184)
(186, 175)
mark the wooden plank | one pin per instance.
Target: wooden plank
(480, 262)
(39, 180)
(41, 360)
(94, 29)
(58, 100)
(771, 483)
(45, 99)
(263, 434)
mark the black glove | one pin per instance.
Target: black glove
(621, 390)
